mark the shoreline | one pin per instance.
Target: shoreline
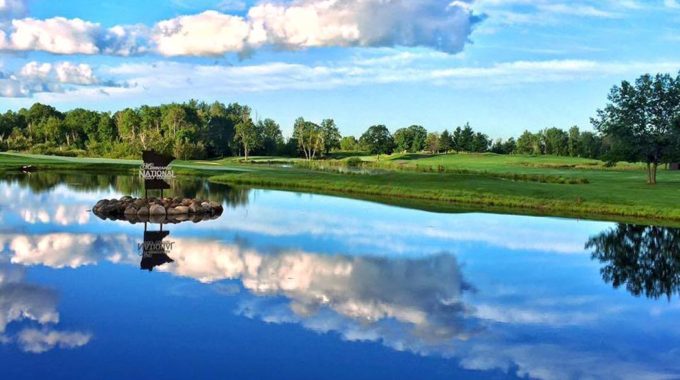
(435, 192)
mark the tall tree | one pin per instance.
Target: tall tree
(573, 142)
(246, 133)
(432, 143)
(555, 141)
(418, 137)
(589, 145)
(445, 141)
(403, 140)
(463, 138)
(270, 136)
(480, 143)
(377, 140)
(79, 123)
(309, 137)
(331, 135)
(128, 124)
(642, 119)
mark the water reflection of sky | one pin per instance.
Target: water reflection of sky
(301, 286)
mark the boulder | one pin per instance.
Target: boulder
(165, 210)
(156, 210)
(173, 211)
(181, 210)
(194, 207)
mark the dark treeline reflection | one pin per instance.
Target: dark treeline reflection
(190, 187)
(646, 259)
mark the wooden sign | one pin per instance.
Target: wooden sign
(156, 170)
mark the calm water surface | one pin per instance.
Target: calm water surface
(297, 286)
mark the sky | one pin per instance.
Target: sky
(502, 65)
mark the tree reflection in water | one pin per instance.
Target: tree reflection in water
(184, 186)
(646, 259)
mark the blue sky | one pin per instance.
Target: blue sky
(502, 65)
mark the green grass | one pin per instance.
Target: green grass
(484, 182)
(496, 182)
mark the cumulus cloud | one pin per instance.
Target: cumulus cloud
(63, 72)
(59, 35)
(300, 24)
(35, 77)
(42, 340)
(208, 33)
(55, 35)
(436, 24)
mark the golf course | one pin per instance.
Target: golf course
(519, 184)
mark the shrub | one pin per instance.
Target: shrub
(353, 162)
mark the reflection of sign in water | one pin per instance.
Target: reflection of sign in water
(155, 170)
(154, 250)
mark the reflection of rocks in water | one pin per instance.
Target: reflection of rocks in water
(646, 259)
(157, 210)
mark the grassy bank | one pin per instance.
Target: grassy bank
(544, 185)
(554, 186)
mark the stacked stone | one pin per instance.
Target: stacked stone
(130, 208)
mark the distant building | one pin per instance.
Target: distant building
(674, 166)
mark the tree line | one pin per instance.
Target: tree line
(640, 123)
(198, 130)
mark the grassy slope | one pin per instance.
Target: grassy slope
(616, 194)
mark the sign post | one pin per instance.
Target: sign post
(156, 171)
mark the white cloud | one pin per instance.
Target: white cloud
(672, 4)
(35, 77)
(67, 72)
(438, 24)
(39, 341)
(208, 33)
(300, 24)
(159, 78)
(63, 72)
(59, 35)
(55, 35)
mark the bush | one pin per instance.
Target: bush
(353, 162)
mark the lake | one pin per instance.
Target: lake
(296, 286)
